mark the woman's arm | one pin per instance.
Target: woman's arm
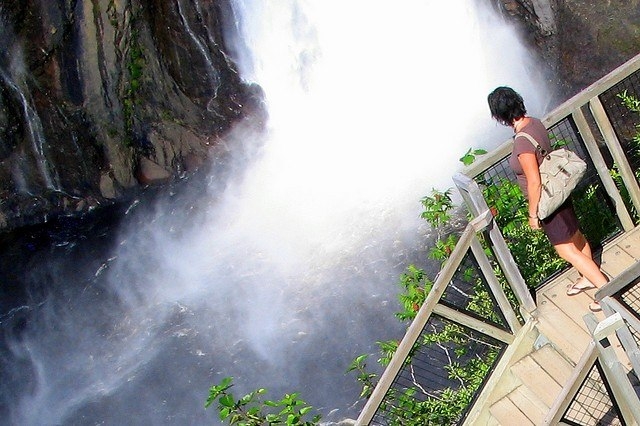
(531, 171)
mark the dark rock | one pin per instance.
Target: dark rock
(586, 40)
(98, 97)
(151, 173)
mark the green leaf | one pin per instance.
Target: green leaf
(224, 413)
(227, 401)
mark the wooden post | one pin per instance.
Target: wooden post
(611, 306)
(610, 138)
(602, 169)
(623, 392)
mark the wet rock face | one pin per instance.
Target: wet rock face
(98, 97)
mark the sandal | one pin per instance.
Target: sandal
(595, 307)
(579, 286)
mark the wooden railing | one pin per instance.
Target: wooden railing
(575, 110)
(468, 241)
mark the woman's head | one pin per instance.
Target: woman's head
(506, 105)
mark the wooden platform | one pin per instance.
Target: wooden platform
(538, 364)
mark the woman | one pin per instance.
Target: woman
(507, 107)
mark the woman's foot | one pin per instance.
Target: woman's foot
(595, 307)
(579, 286)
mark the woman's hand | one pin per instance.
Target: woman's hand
(534, 222)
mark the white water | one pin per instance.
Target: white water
(283, 274)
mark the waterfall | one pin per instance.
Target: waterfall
(37, 139)
(214, 79)
(283, 272)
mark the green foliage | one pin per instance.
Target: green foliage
(135, 67)
(437, 208)
(470, 156)
(633, 104)
(416, 286)
(129, 52)
(415, 405)
(251, 410)
(510, 211)
(359, 364)
(597, 221)
(387, 349)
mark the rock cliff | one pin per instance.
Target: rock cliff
(578, 40)
(98, 97)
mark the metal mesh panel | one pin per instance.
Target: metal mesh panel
(427, 373)
(469, 292)
(630, 297)
(624, 121)
(593, 405)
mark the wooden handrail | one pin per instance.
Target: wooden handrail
(619, 282)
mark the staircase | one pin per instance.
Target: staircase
(534, 370)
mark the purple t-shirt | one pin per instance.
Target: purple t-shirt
(521, 145)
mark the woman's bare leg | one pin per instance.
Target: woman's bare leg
(578, 253)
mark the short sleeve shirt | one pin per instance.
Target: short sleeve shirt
(521, 145)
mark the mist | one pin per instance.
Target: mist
(283, 269)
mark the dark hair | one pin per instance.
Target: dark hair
(506, 105)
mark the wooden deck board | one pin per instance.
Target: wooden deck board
(615, 259)
(631, 243)
(566, 335)
(575, 306)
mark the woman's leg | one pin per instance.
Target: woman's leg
(582, 244)
(578, 253)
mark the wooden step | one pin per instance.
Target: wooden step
(553, 363)
(506, 413)
(529, 403)
(537, 379)
(567, 336)
(492, 421)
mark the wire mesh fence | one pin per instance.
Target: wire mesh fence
(625, 120)
(449, 361)
(593, 405)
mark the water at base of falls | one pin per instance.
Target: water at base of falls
(77, 349)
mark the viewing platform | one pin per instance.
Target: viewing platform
(552, 361)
